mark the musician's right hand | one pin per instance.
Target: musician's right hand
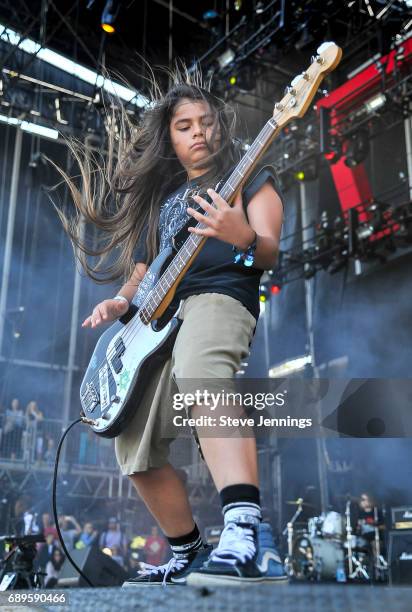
(105, 312)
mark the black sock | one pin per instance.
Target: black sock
(184, 545)
(241, 504)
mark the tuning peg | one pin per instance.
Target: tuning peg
(290, 90)
(299, 77)
(279, 106)
(317, 58)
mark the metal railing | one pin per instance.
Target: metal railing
(34, 442)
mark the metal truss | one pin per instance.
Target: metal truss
(81, 482)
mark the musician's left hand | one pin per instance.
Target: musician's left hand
(224, 222)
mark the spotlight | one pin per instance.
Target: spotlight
(263, 293)
(260, 7)
(245, 79)
(226, 58)
(275, 289)
(330, 145)
(357, 149)
(213, 22)
(109, 16)
(289, 367)
(308, 172)
(375, 103)
(210, 15)
(335, 152)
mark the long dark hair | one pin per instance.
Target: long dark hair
(121, 193)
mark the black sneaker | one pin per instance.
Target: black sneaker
(174, 572)
(234, 562)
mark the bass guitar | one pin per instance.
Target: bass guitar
(114, 382)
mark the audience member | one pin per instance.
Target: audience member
(50, 452)
(87, 537)
(113, 537)
(70, 529)
(13, 431)
(117, 556)
(34, 419)
(48, 526)
(46, 551)
(155, 547)
(53, 568)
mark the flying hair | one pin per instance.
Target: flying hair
(116, 196)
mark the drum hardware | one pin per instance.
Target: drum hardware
(299, 502)
(356, 568)
(289, 531)
(349, 537)
(380, 565)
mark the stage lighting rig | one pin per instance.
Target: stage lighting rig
(226, 58)
(309, 170)
(376, 103)
(402, 215)
(357, 148)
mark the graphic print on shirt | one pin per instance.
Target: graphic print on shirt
(173, 215)
(172, 218)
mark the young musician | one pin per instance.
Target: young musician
(183, 149)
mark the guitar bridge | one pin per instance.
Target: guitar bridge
(90, 397)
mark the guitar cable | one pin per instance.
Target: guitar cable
(54, 498)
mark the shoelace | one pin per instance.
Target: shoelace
(171, 566)
(236, 544)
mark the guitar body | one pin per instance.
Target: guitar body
(123, 360)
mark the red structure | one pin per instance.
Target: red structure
(352, 184)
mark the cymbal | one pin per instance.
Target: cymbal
(299, 502)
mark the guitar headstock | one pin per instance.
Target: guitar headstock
(304, 86)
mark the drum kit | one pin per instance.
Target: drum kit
(325, 548)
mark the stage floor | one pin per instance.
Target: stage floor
(265, 598)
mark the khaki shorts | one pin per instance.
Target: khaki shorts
(211, 343)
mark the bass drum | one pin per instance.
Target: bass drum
(317, 558)
(332, 525)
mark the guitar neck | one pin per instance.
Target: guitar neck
(294, 104)
(248, 162)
